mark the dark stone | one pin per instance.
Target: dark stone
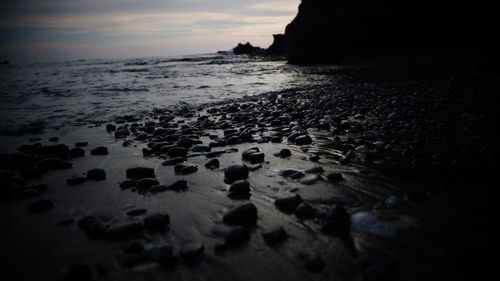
(136, 212)
(146, 183)
(124, 230)
(274, 236)
(200, 148)
(128, 184)
(158, 188)
(296, 176)
(156, 221)
(284, 153)
(335, 177)
(244, 214)
(302, 140)
(177, 151)
(122, 133)
(76, 152)
(305, 211)
(337, 220)
(50, 164)
(288, 204)
(140, 172)
(101, 150)
(192, 250)
(212, 164)
(184, 170)
(40, 206)
(235, 172)
(287, 173)
(237, 236)
(278, 45)
(314, 264)
(92, 226)
(239, 190)
(110, 127)
(316, 170)
(96, 174)
(246, 49)
(214, 154)
(179, 185)
(310, 179)
(81, 144)
(173, 161)
(75, 180)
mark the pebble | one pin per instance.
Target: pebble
(200, 148)
(128, 184)
(310, 179)
(335, 177)
(239, 190)
(177, 151)
(54, 139)
(288, 204)
(75, 180)
(158, 188)
(274, 236)
(214, 154)
(92, 226)
(296, 176)
(76, 152)
(284, 153)
(337, 220)
(96, 174)
(235, 172)
(241, 215)
(303, 140)
(179, 185)
(192, 250)
(124, 230)
(146, 183)
(136, 212)
(173, 161)
(305, 211)
(101, 150)
(140, 172)
(40, 206)
(184, 170)
(212, 164)
(156, 221)
(237, 236)
(316, 170)
(81, 144)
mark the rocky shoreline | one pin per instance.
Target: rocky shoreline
(350, 181)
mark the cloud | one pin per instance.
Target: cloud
(101, 25)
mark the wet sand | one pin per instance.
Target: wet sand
(379, 146)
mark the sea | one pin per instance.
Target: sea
(58, 94)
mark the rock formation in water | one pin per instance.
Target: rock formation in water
(278, 45)
(324, 30)
(246, 49)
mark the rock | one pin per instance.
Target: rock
(284, 153)
(146, 183)
(246, 49)
(310, 179)
(122, 133)
(136, 212)
(244, 214)
(253, 155)
(239, 190)
(162, 253)
(128, 184)
(173, 161)
(337, 220)
(184, 170)
(177, 152)
(200, 148)
(96, 174)
(81, 144)
(335, 177)
(212, 164)
(303, 140)
(237, 236)
(304, 211)
(254, 167)
(314, 158)
(179, 185)
(314, 264)
(50, 164)
(236, 172)
(101, 150)
(92, 226)
(274, 236)
(156, 221)
(40, 206)
(296, 176)
(75, 180)
(158, 188)
(315, 170)
(124, 230)
(278, 45)
(76, 152)
(192, 250)
(140, 172)
(287, 173)
(110, 127)
(288, 204)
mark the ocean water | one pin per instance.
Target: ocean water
(80, 92)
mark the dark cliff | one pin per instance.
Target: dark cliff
(325, 30)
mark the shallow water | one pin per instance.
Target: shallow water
(80, 92)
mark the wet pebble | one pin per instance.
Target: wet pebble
(303, 140)
(241, 215)
(173, 161)
(192, 250)
(96, 174)
(316, 170)
(179, 185)
(335, 177)
(146, 183)
(274, 236)
(92, 226)
(76, 152)
(124, 230)
(81, 144)
(212, 164)
(337, 220)
(140, 172)
(310, 179)
(237, 236)
(235, 172)
(239, 190)
(184, 170)
(177, 152)
(284, 153)
(128, 184)
(101, 150)
(305, 211)
(288, 204)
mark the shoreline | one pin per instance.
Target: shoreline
(390, 217)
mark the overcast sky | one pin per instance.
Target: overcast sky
(56, 30)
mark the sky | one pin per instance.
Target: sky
(60, 30)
